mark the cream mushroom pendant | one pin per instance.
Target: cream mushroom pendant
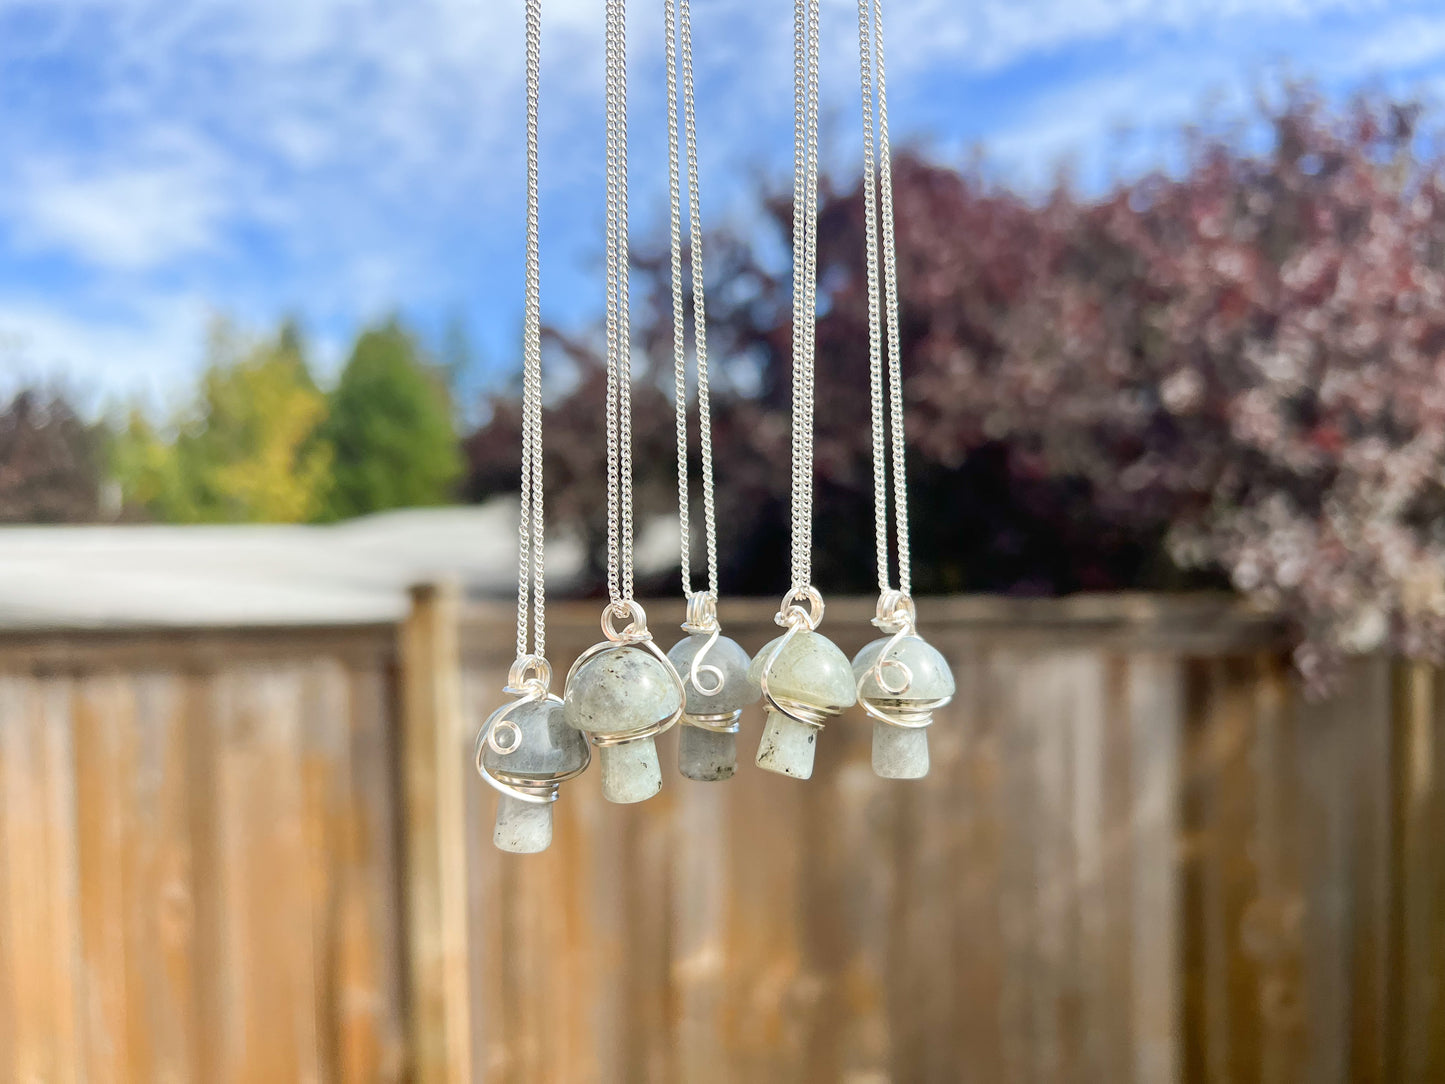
(622, 692)
(803, 677)
(714, 668)
(524, 750)
(901, 678)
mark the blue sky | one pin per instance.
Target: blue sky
(163, 161)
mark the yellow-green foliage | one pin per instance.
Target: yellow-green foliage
(247, 449)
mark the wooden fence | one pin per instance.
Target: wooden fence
(263, 856)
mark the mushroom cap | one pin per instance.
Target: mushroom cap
(729, 657)
(811, 669)
(622, 689)
(932, 679)
(548, 747)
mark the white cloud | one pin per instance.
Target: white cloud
(346, 140)
(143, 352)
(131, 218)
(987, 35)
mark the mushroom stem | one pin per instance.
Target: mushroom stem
(630, 771)
(899, 752)
(706, 755)
(788, 746)
(522, 827)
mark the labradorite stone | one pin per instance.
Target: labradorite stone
(548, 748)
(902, 753)
(811, 669)
(932, 678)
(619, 690)
(729, 657)
(707, 756)
(522, 827)
(899, 753)
(788, 746)
(630, 771)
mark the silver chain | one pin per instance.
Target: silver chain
(619, 335)
(805, 278)
(531, 578)
(678, 28)
(878, 188)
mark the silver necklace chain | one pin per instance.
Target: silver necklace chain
(531, 578)
(878, 189)
(678, 27)
(619, 336)
(805, 276)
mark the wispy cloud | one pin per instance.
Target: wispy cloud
(340, 157)
(142, 351)
(134, 217)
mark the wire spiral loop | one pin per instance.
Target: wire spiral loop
(800, 612)
(524, 789)
(802, 606)
(896, 614)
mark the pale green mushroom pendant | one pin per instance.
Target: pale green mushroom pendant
(902, 680)
(622, 693)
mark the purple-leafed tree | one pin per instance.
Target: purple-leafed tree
(1235, 373)
(50, 462)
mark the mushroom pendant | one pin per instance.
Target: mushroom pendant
(621, 693)
(902, 680)
(526, 751)
(804, 680)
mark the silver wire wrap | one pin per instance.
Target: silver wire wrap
(531, 577)
(796, 619)
(896, 614)
(633, 634)
(723, 722)
(528, 682)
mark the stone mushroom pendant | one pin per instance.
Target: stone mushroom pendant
(526, 751)
(714, 670)
(804, 680)
(622, 693)
(902, 680)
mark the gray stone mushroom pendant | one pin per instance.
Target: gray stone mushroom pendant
(804, 680)
(714, 670)
(526, 751)
(902, 680)
(622, 693)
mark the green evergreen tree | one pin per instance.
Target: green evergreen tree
(390, 427)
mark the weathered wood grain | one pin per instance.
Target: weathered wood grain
(435, 839)
(170, 841)
(1141, 857)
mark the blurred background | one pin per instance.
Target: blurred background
(1173, 313)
